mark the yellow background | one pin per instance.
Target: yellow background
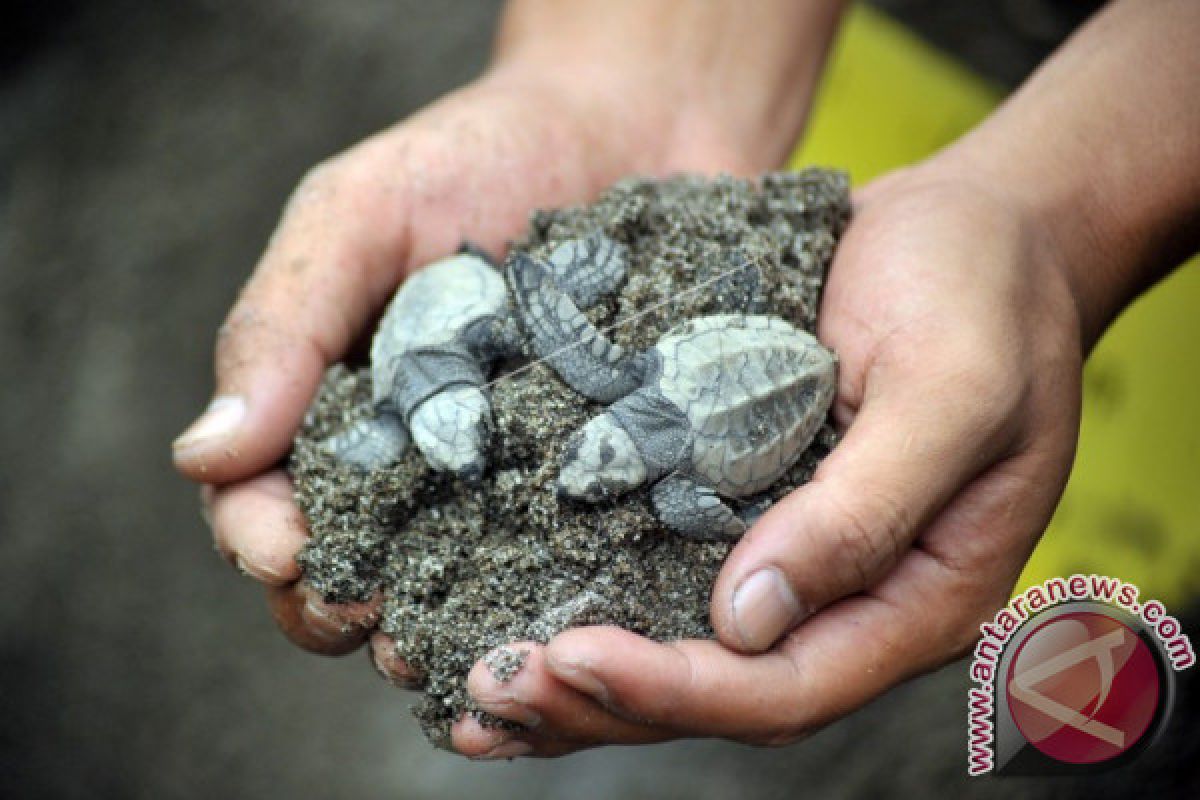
(1132, 507)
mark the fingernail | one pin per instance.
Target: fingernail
(321, 625)
(220, 419)
(511, 710)
(388, 662)
(764, 608)
(255, 571)
(323, 619)
(505, 704)
(579, 676)
(507, 750)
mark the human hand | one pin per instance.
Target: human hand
(577, 96)
(959, 390)
(555, 120)
(961, 302)
(472, 166)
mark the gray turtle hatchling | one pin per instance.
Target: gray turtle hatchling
(444, 329)
(720, 407)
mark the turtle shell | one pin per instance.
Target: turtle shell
(755, 391)
(433, 307)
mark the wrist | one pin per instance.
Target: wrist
(690, 87)
(1074, 221)
(1100, 150)
(648, 114)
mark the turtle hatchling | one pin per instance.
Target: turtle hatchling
(720, 407)
(443, 331)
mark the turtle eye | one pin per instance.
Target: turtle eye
(607, 454)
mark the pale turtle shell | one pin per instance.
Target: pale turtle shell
(755, 391)
(433, 307)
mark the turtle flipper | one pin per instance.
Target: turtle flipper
(559, 333)
(694, 510)
(589, 268)
(493, 339)
(371, 443)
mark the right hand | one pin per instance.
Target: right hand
(472, 166)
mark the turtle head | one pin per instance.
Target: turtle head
(600, 460)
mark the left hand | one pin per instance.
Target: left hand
(959, 394)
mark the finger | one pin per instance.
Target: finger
(904, 456)
(925, 612)
(844, 656)
(257, 527)
(690, 687)
(480, 743)
(321, 627)
(390, 664)
(335, 257)
(533, 697)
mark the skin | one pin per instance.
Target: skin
(962, 302)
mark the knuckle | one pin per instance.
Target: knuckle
(257, 332)
(664, 702)
(330, 188)
(246, 331)
(320, 182)
(868, 534)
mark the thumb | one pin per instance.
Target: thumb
(335, 257)
(903, 458)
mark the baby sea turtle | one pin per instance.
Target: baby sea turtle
(447, 325)
(721, 407)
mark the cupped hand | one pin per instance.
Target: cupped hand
(959, 392)
(472, 166)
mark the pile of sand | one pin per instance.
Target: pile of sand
(464, 569)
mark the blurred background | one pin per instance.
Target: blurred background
(145, 152)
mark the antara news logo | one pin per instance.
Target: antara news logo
(1073, 675)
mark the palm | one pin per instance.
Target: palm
(959, 392)
(939, 295)
(473, 165)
